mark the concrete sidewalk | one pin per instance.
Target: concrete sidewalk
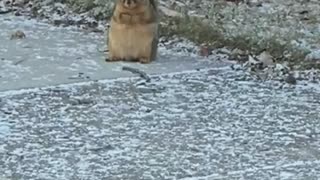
(51, 56)
(200, 125)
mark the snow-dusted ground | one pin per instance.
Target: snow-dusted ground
(53, 55)
(185, 124)
(192, 125)
(264, 23)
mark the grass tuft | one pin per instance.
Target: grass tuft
(200, 32)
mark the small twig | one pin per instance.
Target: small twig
(19, 62)
(75, 78)
(78, 78)
(5, 12)
(137, 71)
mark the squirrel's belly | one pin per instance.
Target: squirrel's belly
(130, 42)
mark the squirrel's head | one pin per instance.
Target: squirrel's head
(132, 4)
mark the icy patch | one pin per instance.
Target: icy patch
(11, 70)
(314, 55)
(4, 129)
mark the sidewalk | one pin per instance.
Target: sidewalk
(52, 56)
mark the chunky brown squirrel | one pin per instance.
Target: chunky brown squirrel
(133, 33)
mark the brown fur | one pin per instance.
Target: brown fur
(133, 33)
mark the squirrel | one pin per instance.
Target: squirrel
(133, 33)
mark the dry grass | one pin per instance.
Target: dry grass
(201, 32)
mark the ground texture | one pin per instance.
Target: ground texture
(197, 119)
(205, 124)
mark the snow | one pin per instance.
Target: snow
(315, 55)
(196, 125)
(199, 121)
(4, 128)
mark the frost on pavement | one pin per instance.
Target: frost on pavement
(58, 55)
(196, 125)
